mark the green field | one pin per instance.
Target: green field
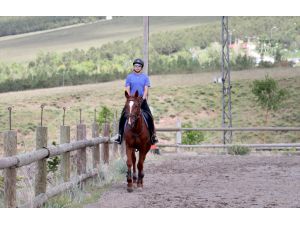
(21, 48)
(188, 97)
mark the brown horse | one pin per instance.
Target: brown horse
(137, 137)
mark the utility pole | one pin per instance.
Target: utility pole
(226, 97)
(146, 44)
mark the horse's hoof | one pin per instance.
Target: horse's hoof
(140, 186)
(130, 189)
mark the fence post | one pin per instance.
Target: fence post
(116, 131)
(10, 174)
(96, 148)
(178, 135)
(66, 163)
(105, 146)
(81, 153)
(41, 175)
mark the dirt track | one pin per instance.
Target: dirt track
(193, 180)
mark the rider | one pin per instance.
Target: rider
(138, 81)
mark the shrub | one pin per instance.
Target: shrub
(192, 137)
(105, 115)
(52, 164)
(238, 150)
(243, 62)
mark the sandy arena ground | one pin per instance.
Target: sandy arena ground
(191, 180)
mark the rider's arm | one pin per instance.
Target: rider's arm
(127, 84)
(128, 89)
(146, 88)
(145, 96)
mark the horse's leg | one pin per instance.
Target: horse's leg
(134, 168)
(140, 166)
(129, 165)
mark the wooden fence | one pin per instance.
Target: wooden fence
(12, 160)
(178, 143)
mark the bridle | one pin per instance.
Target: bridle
(133, 117)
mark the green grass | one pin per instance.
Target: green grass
(238, 150)
(195, 100)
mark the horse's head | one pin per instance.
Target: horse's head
(133, 108)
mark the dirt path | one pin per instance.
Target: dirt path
(193, 180)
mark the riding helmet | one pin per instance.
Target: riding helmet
(138, 61)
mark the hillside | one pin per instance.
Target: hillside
(194, 49)
(13, 25)
(25, 47)
(188, 97)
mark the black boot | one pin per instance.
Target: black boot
(154, 139)
(121, 127)
(119, 139)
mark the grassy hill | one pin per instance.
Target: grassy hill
(25, 47)
(188, 97)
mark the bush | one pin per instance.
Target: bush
(192, 137)
(105, 115)
(265, 64)
(52, 164)
(120, 166)
(243, 62)
(238, 150)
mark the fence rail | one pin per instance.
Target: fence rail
(177, 129)
(11, 160)
(277, 145)
(47, 152)
(178, 143)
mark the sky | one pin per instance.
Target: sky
(149, 8)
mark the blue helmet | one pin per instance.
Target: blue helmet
(138, 61)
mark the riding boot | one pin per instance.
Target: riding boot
(154, 139)
(119, 139)
(121, 128)
(150, 122)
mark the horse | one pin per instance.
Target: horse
(137, 138)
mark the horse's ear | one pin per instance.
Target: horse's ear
(140, 99)
(136, 94)
(126, 94)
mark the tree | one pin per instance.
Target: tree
(268, 94)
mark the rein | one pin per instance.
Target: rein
(136, 117)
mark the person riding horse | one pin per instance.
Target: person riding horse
(138, 81)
